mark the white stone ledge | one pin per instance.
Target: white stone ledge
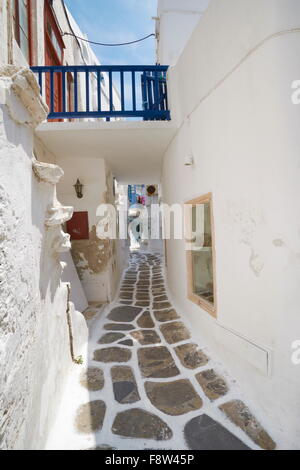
(18, 85)
(47, 172)
(58, 215)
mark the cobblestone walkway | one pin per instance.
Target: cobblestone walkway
(148, 385)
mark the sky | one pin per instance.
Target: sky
(118, 21)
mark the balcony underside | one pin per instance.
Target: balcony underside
(133, 150)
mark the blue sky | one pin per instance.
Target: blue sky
(118, 21)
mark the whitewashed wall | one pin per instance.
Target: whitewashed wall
(230, 93)
(177, 20)
(10, 52)
(99, 274)
(34, 336)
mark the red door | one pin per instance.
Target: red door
(78, 226)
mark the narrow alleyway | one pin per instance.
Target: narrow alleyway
(148, 385)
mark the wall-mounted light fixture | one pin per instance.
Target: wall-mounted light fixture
(189, 159)
(78, 188)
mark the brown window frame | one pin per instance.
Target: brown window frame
(17, 27)
(196, 299)
(49, 16)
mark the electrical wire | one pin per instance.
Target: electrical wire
(107, 44)
(77, 40)
(69, 23)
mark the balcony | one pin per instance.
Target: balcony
(134, 99)
(105, 91)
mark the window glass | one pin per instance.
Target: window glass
(21, 25)
(23, 16)
(54, 40)
(202, 261)
(24, 45)
(200, 253)
(15, 18)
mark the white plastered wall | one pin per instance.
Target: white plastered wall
(176, 22)
(98, 283)
(230, 93)
(34, 337)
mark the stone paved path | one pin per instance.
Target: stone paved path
(147, 384)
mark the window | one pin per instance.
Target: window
(53, 39)
(54, 46)
(22, 26)
(200, 253)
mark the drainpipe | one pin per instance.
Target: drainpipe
(69, 321)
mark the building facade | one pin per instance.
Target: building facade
(236, 120)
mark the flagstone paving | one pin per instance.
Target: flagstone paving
(110, 338)
(118, 327)
(173, 398)
(145, 321)
(157, 362)
(146, 337)
(212, 384)
(240, 415)
(168, 389)
(124, 314)
(124, 385)
(137, 423)
(204, 433)
(90, 416)
(191, 356)
(92, 379)
(126, 342)
(112, 355)
(174, 332)
(165, 315)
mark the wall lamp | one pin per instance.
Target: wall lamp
(78, 188)
(189, 159)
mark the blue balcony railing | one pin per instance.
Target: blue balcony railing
(105, 91)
